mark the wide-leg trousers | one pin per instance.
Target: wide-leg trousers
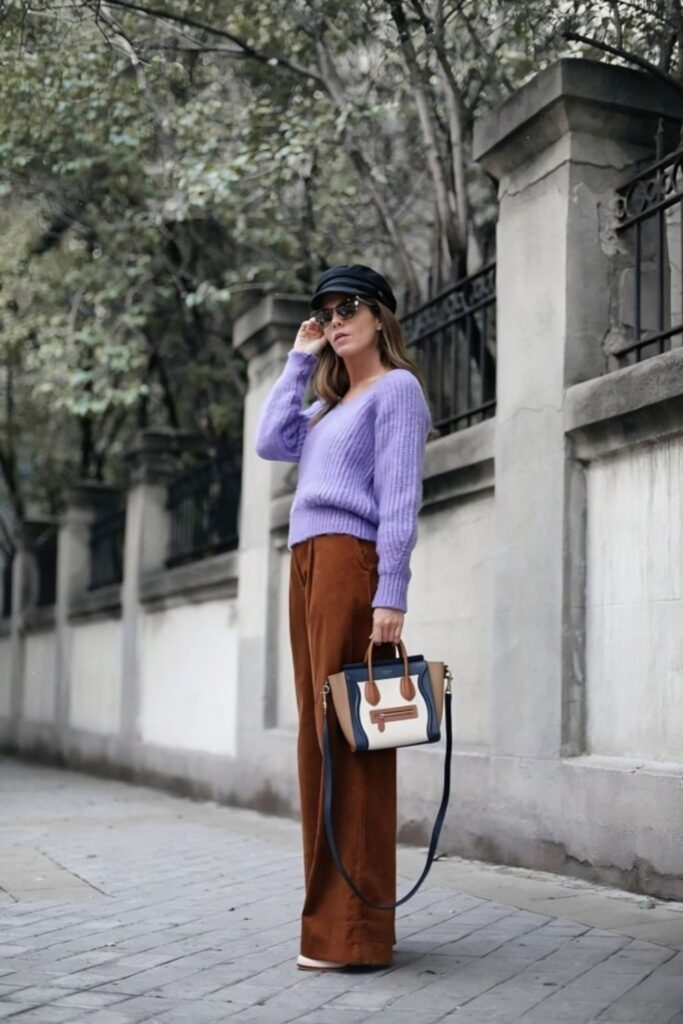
(333, 578)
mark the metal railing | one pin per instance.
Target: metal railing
(7, 588)
(204, 504)
(45, 553)
(7, 550)
(649, 210)
(453, 338)
(107, 534)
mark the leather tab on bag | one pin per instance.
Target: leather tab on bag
(372, 694)
(408, 690)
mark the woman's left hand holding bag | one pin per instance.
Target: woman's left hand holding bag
(387, 625)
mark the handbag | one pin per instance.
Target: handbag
(397, 702)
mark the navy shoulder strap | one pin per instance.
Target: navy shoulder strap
(436, 832)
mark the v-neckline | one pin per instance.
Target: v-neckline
(366, 391)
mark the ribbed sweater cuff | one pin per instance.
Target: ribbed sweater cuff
(391, 591)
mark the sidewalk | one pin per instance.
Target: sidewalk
(121, 904)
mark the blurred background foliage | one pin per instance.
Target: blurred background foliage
(162, 166)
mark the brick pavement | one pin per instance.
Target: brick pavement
(121, 904)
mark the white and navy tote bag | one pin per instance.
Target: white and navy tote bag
(397, 702)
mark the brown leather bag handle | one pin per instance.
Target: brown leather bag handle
(372, 694)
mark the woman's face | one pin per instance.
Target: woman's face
(352, 336)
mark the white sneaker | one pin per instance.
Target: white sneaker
(307, 963)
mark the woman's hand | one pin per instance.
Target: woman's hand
(310, 338)
(387, 625)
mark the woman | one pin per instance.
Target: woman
(353, 525)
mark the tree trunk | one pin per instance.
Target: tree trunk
(460, 122)
(8, 455)
(445, 220)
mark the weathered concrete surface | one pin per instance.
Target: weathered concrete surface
(581, 94)
(120, 904)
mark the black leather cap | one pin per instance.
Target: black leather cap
(354, 279)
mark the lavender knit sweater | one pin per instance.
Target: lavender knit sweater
(360, 467)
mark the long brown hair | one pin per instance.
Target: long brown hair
(331, 381)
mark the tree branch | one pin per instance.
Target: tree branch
(488, 56)
(7, 469)
(137, 63)
(678, 30)
(126, 43)
(437, 37)
(618, 28)
(645, 9)
(631, 58)
(334, 87)
(101, 450)
(272, 60)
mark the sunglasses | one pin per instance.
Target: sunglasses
(345, 309)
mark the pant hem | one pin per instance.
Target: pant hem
(370, 956)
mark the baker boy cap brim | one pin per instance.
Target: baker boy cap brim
(346, 287)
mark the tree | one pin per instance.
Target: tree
(165, 163)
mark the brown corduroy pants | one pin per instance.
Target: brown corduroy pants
(333, 578)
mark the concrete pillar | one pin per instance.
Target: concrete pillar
(264, 335)
(7, 698)
(558, 148)
(152, 459)
(83, 501)
(20, 572)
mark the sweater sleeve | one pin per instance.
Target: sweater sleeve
(402, 424)
(282, 424)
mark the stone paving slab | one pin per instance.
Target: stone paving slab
(121, 904)
(27, 874)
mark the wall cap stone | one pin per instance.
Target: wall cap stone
(152, 455)
(91, 494)
(462, 448)
(575, 94)
(275, 317)
(102, 601)
(38, 619)
(193, 581)
(637, 404)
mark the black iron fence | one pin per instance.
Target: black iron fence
(204, 505)
(42, 579)
(453, 336)
(7, 587)
(107, 534)
(45, 553)
(649, 210)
